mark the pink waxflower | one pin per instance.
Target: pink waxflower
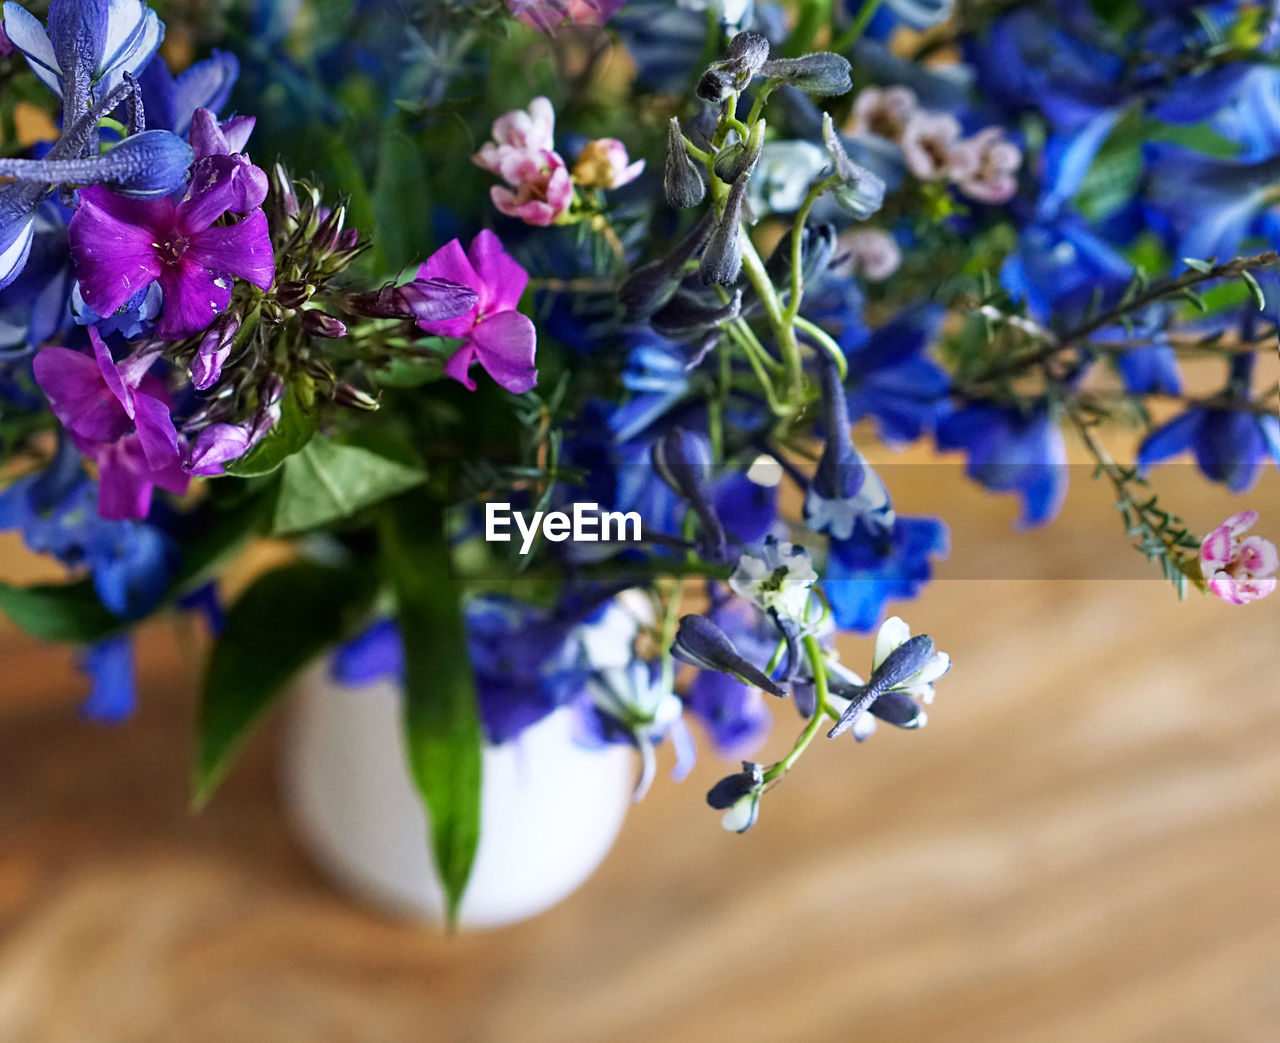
(523, 154)
(884, 111)
(984, 167)
(118, 415)
(1239, 568)
(493, 332)
(604, 163)
(927, 141)
(872, 253)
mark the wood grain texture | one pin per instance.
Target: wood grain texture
(1082, 845)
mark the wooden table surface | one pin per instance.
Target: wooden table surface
(1082, 845)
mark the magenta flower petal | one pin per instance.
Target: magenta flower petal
(450, 262)
(242, 249)
(73, 384)
(193, 298)
(111, 374)
(156, 433)
(112, 240)
(505, 345)
(502, 278)
(458, 364)
(126, 481)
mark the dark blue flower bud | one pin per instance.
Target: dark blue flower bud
(732, 788)
(898, 709)
(686, 315)
(722, 259)
(748, 52)
(651, 285)
(683, 460)
(681, 181)
(739, 159)
(77, 33)
(898, 668)
(823, 75)
(701, 643)
(845, 492)
(715, 85)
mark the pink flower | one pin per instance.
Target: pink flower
(493, 332)
(117, 414)
(1239, 570)
(604, 163)
(927, 141)
(872, 253)
(884, 112)
(984, 167)
(523, 154)
(548, 15)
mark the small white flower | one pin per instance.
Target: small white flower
(783, 175)
(893, 633)
(780, 579)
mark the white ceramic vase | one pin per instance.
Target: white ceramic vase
(550, 809)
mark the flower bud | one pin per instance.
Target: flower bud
(215, 347)
(722, 259)
(681, 180)
(294, 293)
(817, 248)
(686, 315)
(683, 460)
(321, 324)
(700, 642)
(749, 51)
(860, 192)
(351, 396)
(822, 75)
(651, 285)
(740, 159)
(424, 300)
(715, 85)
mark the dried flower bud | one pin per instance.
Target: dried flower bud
(294, 293)
(681, 180)
(722, 259)
(823, 75)
(321, 324)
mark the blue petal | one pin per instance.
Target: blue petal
(113, 695)
(1169, 440)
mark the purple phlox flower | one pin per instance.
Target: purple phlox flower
(117, 414)
(493, 332)
(219, 150)
(1012, 451)
(123, 245)
(548, 15)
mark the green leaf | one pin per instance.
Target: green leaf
(294, 429)
(59, 611)
(442, 725)
(284, 620)
(327, 481)
(1259, 298)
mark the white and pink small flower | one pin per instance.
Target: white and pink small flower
(927, 143)
(1239, 568)
(985, 166)
(884, 111)
(604, 163)
(872, 253)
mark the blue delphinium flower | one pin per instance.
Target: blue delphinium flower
(1152, 368)
(893, 380)
(1231, 446)
(863, 575)
(1012, 451)
(99, 40)
(130, 562)
(171, 101)
(113, 686)
(33, 308)
(1061, 268)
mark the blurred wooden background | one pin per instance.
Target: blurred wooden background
(1082, 845)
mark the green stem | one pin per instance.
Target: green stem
(857, 27)
(825, 341)
(818, 665)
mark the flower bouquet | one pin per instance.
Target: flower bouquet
(535, 335)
